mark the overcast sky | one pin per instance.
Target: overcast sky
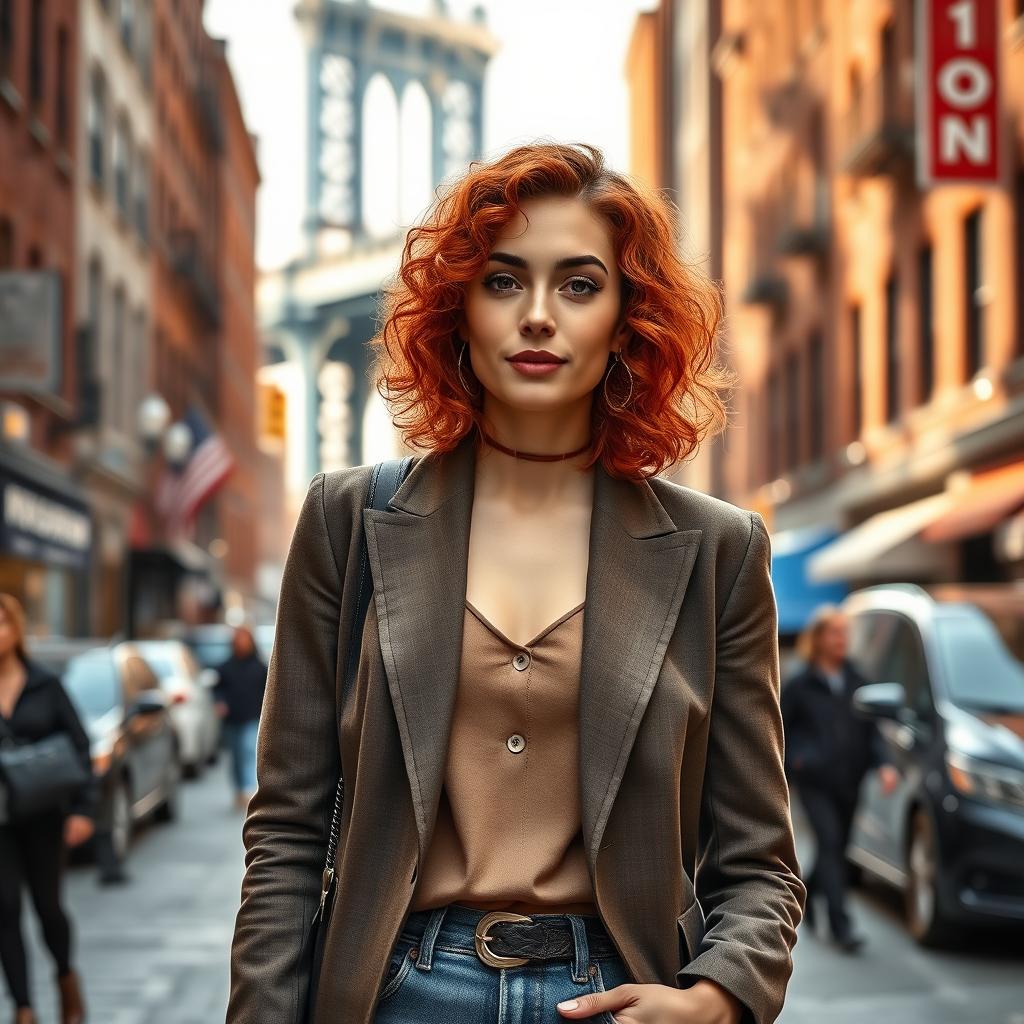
(559, 74)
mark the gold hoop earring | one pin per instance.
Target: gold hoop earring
(618, 360)
(458, 366)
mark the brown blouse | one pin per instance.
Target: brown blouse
(508, 833)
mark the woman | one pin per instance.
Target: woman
(241, 682)
(33, 705)
(559, 643)
(829, 749)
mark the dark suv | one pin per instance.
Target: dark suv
(947, 669)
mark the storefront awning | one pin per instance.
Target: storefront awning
(981, 505)
(795, 594)
(887, 546)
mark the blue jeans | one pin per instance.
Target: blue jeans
(241, 742)
(436, 977)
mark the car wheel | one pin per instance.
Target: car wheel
(927, 922)
(169, 809)
(121, 824)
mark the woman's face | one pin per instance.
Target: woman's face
(834, 638)
(551, 283)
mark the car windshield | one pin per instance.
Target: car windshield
(212, 653)
(92, 683)
(983, 653)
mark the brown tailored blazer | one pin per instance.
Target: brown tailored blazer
(685, 805)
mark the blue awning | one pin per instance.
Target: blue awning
(795, 594)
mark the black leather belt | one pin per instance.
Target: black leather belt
(505, 939)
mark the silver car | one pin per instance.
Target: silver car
(189, 688)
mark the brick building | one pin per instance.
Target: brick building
(46, 536)
(876, 327)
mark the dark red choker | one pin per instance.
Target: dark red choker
(532, 456)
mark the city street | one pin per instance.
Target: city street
(156, 950)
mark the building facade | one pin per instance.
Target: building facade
(876, 326)
(47, 538)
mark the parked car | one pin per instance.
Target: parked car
(134, 745)
(210, 643)
(946, 664)
(189, 688)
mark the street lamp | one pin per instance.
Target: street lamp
(153, 416)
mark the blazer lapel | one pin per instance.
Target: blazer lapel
(640, 564)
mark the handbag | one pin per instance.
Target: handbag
(39, 776)
(384, 481)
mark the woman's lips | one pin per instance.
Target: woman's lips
(531, 369)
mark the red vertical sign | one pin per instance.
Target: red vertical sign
(958, 89)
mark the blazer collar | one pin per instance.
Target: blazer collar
(640, 562)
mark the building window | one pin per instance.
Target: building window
(926, 323)
(816, 426)
(6, 244)
(122, 166)
(792, 410)
(1019, 252)
(973, 299)
(858, 375)
(892, 349)
(6, 36)
(62, 114)
(95, 297)
(142, 195)
(774, 425)
(128, 23)
(97, 122)
(118, 354)
(36, 43)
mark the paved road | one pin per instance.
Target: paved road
(156, 951)
(894, 981)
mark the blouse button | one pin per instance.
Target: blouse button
(521, 661)
(515, 743)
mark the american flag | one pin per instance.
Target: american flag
(180, 493)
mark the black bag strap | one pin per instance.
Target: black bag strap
(385, 480)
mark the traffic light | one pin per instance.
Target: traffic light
(272, 412)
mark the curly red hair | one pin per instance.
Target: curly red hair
(673, 308)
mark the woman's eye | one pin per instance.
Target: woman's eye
(504, 286)
(590, 287)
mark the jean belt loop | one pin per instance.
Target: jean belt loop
(425, 957)
(581, 956)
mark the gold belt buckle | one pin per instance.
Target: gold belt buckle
(482, 938)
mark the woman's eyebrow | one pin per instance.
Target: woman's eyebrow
(569, 261)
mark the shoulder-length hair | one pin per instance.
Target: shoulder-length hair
(16, 617)
(673, 308)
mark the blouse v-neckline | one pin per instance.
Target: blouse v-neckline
(529, 643)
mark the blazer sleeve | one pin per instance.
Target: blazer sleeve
(297, 769)
(747, 877)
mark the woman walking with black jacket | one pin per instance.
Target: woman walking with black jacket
(34, 705)
(828, 751)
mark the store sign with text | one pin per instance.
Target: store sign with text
(958, 72)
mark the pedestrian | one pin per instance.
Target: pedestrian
(33, 848)
(241, 682)
(562, 747)
(829, 749)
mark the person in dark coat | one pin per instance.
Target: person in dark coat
(828, 751)
(34, 705)
(239, 696)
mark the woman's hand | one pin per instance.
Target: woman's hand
(705, 1002)
(77, 829)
